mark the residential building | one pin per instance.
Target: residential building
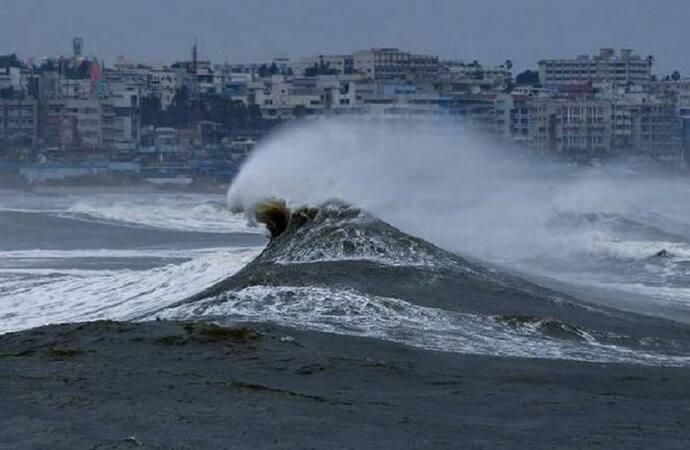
(394, 64)
(19, 122)
(620, 69)
(647, 126)
(573, 127)
(79, 124)
(11, 78)
(125, 101)
(164, 82)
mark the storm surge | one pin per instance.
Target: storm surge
(427, 234)
(337, 268)
(590, 228)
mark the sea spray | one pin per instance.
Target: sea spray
(458, 189)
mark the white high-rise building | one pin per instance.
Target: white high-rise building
(619, 69)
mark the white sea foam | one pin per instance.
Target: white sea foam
(170, 211)
(352, 313)
(35, 297)
(104, 253)
(181, 213)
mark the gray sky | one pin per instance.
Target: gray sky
(257, 30)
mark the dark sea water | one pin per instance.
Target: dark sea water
(88, 255)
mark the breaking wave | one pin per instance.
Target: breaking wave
(582, 227)
(336, 268)
(352, 313)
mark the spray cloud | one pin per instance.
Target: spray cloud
(461, 191)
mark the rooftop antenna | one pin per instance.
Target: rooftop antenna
(196, 94)
(77, 47)
(195, 58)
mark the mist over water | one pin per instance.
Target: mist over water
(594, 227)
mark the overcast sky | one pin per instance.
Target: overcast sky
(258, 30)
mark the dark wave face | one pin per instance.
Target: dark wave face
(337, 268)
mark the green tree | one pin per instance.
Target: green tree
(263, 71)
(151, 111)
(11, 60)
(320, 68)
(527, 78)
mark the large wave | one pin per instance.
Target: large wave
(338, 269)
(441, 182)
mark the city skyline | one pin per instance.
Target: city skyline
(259, 31)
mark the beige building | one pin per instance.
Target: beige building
(617, 68)
(394, 64)
(79, 124)
(647, 126)
(570, 127)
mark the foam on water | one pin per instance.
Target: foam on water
(35, 297)
(172, 213)
(103, 253)
(352, 313)
(169, 211)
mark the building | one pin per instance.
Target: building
(394, 64)
(125, 102)
(19, 122)
(280, 98)
(577, 128)
(648, 127)
(164, 83)
(130, 72)
(619, 69)
(79, 124)
(12, 78)
(78, 89)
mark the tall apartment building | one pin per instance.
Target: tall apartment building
(164, 83)
(125, 101)
(394, 64)
(619, 69)
(129, 71)
(12, 78)
(512, 116)
(570, 127)
(79, 124)
(647, 126)
(19, 122)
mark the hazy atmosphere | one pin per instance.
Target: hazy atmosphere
(248, 31)
(350, 224)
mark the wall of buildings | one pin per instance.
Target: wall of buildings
(591, 106)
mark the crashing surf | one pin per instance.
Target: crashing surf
(337, 268)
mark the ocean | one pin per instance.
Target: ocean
(85, 255)
(428, 237)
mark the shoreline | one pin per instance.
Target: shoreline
(195, 385)
(47, 189)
